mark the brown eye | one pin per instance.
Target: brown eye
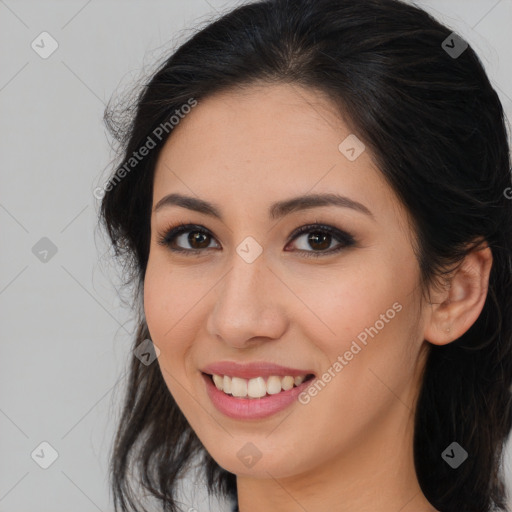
(198, 239)
(186, 238)
(190, 239)
(317, 240)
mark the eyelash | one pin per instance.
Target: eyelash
(345, 239)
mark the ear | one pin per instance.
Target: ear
(456, 308)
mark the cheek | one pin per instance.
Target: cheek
(164, 306)
(167, 295)
(345, 303)
(161, 318)
(155, 300)
(366, 313)
(171, 309)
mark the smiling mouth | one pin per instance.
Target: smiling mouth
(257, 387)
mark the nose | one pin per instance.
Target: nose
(249, 305)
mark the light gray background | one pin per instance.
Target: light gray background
(65, 336)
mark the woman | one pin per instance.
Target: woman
(311, 205)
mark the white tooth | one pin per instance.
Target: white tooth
(273, 385)
(226, 385)
(256, 388)
(219, 381)
(299, 380)
(287, 383)
(238, 387)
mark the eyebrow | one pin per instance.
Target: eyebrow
(276, 210)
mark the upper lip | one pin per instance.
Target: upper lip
(252, 370)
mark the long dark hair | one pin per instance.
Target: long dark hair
(437, 131)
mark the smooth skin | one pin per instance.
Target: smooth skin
(350, 448)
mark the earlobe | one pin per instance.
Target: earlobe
(461, 302)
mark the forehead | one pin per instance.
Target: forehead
(277, 119)
(261, 144)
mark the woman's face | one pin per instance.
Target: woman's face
(245, 289)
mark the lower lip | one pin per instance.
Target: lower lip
(252, 408)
